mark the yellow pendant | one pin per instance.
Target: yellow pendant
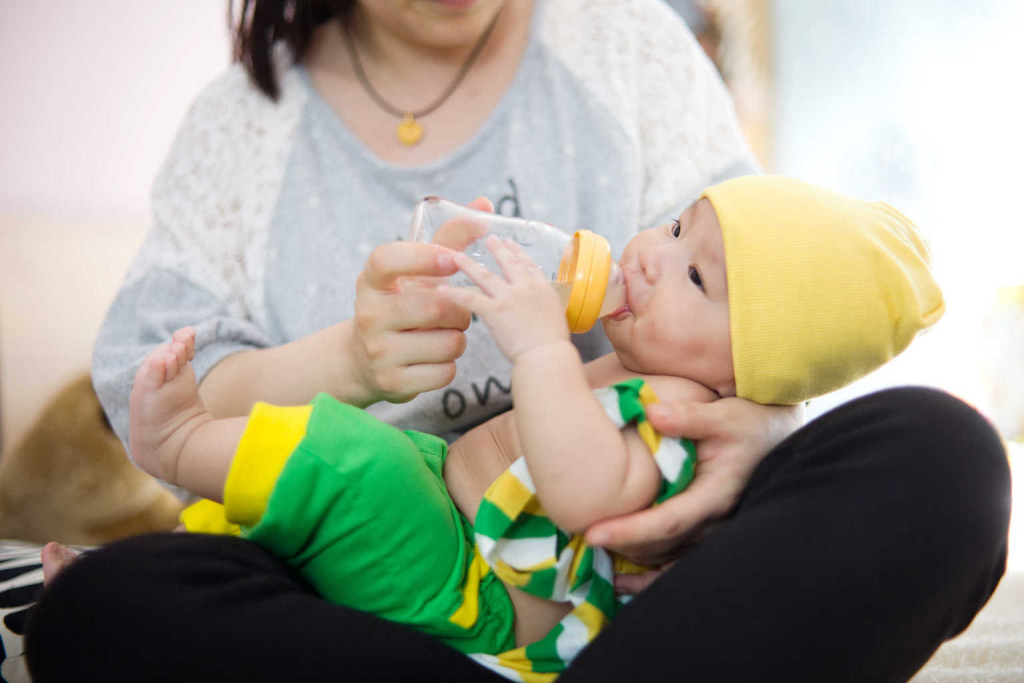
(409, 131)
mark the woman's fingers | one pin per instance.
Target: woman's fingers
(688, 419)
(732, 436)
(406, 335)
(401, 383)
(409, 307)
(391, 261)
(632, 584)
(652, 536)
(482, 204)
(464, 297)
(422, 306)
(414, 347)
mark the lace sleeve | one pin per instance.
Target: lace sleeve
(201, 263)
(641, 62)
(689, 131)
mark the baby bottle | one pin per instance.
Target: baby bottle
(580, 266)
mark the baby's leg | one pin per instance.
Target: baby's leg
(172, 436)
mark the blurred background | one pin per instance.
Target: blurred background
(916, 102)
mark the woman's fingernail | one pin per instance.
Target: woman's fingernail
(446, 260)
(598, 538)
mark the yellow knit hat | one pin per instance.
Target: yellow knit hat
(823, 288)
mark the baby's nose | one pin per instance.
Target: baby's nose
(648, 262)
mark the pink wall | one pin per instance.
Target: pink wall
(93, 92)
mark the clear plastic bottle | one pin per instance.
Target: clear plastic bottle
(579, 266)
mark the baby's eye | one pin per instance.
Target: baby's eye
(695, 277)
(676, 228)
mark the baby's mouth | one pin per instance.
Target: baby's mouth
(619, 313)
(628, 275)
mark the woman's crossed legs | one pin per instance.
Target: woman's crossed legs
(862, 542)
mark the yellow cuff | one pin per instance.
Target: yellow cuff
(207, 517)
(270, 437)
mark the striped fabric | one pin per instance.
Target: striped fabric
(21, 582)
(526, 550)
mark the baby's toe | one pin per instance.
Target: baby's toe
(151, 374)
(180, 352)
(186, 336)
(173, 361)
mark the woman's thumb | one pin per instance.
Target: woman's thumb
(482, 204)
(685, 419)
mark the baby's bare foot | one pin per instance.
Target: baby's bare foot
(165, 407)
(55, 558)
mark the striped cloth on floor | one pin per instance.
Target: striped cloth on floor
(525, 549)
(21, 580)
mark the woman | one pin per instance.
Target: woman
(596, 114)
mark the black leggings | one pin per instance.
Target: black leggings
(861, 543)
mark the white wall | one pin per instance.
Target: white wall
(92, 93)
(918, 103)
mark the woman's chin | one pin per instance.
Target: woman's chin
(455, 4)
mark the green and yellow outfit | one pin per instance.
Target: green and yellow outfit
(361, 510)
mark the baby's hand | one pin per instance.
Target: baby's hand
(522, 311)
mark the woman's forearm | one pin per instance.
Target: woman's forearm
(290, 374)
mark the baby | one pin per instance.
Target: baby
(766, 288)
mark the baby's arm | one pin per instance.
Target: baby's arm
(580, 462)
(483, 453)
(643, 479)
(583, 467)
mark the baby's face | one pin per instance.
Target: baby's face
(677, 322)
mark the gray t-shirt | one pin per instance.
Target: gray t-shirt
(264, 213)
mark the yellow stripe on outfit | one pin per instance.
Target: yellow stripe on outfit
(647, 395)
(523, 666)
(270, 437)
(509, 495)
(576, 545)
(651, 438)
(592, 617)
(510, 574)
(467, 613)
(207, 517)
(620, 565)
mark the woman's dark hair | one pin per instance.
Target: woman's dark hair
(262, 23)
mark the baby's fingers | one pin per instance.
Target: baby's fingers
(515, 265)
(490, 283)
(531, 269)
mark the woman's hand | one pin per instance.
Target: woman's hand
(732, 436)
(406, 337)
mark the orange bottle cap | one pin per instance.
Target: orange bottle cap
(586, 269)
